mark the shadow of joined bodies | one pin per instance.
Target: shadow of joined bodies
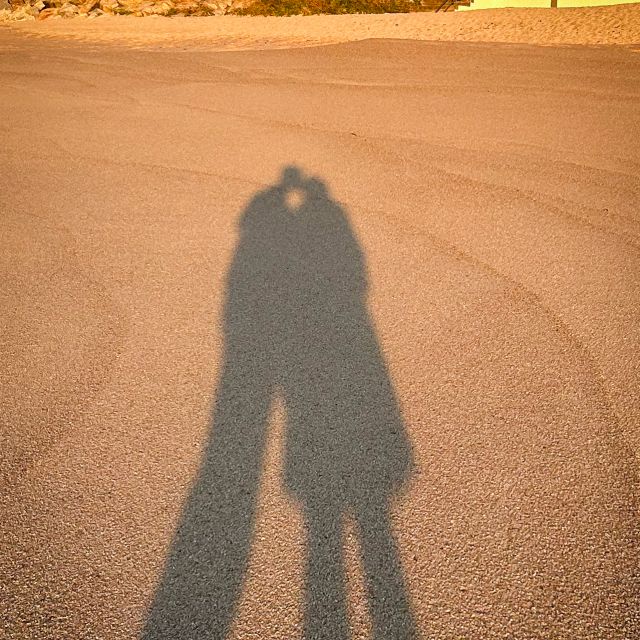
(297, 327)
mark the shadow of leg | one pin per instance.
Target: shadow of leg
(207, 561)
(388, 601)
(326, 606)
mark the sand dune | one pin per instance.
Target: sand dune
(618, 25)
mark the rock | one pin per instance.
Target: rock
(109, 6)
(89, 6)
(47, 13)
(68, 10)
(157, 8)
(188, 7)
(30, 9)
(210, 8)
(24, 12)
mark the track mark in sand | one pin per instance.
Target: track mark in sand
(519, 291)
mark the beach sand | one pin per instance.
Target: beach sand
(492, 240)
(587, 26)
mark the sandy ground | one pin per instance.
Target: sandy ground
(182, 349)
(593, 26)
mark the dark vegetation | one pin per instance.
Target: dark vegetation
(311, 7)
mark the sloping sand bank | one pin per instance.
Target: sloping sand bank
(618, 25)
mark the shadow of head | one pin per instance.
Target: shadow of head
(299, 190)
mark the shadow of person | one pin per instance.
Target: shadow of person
(296, 327)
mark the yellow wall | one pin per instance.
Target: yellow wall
(504, 4)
